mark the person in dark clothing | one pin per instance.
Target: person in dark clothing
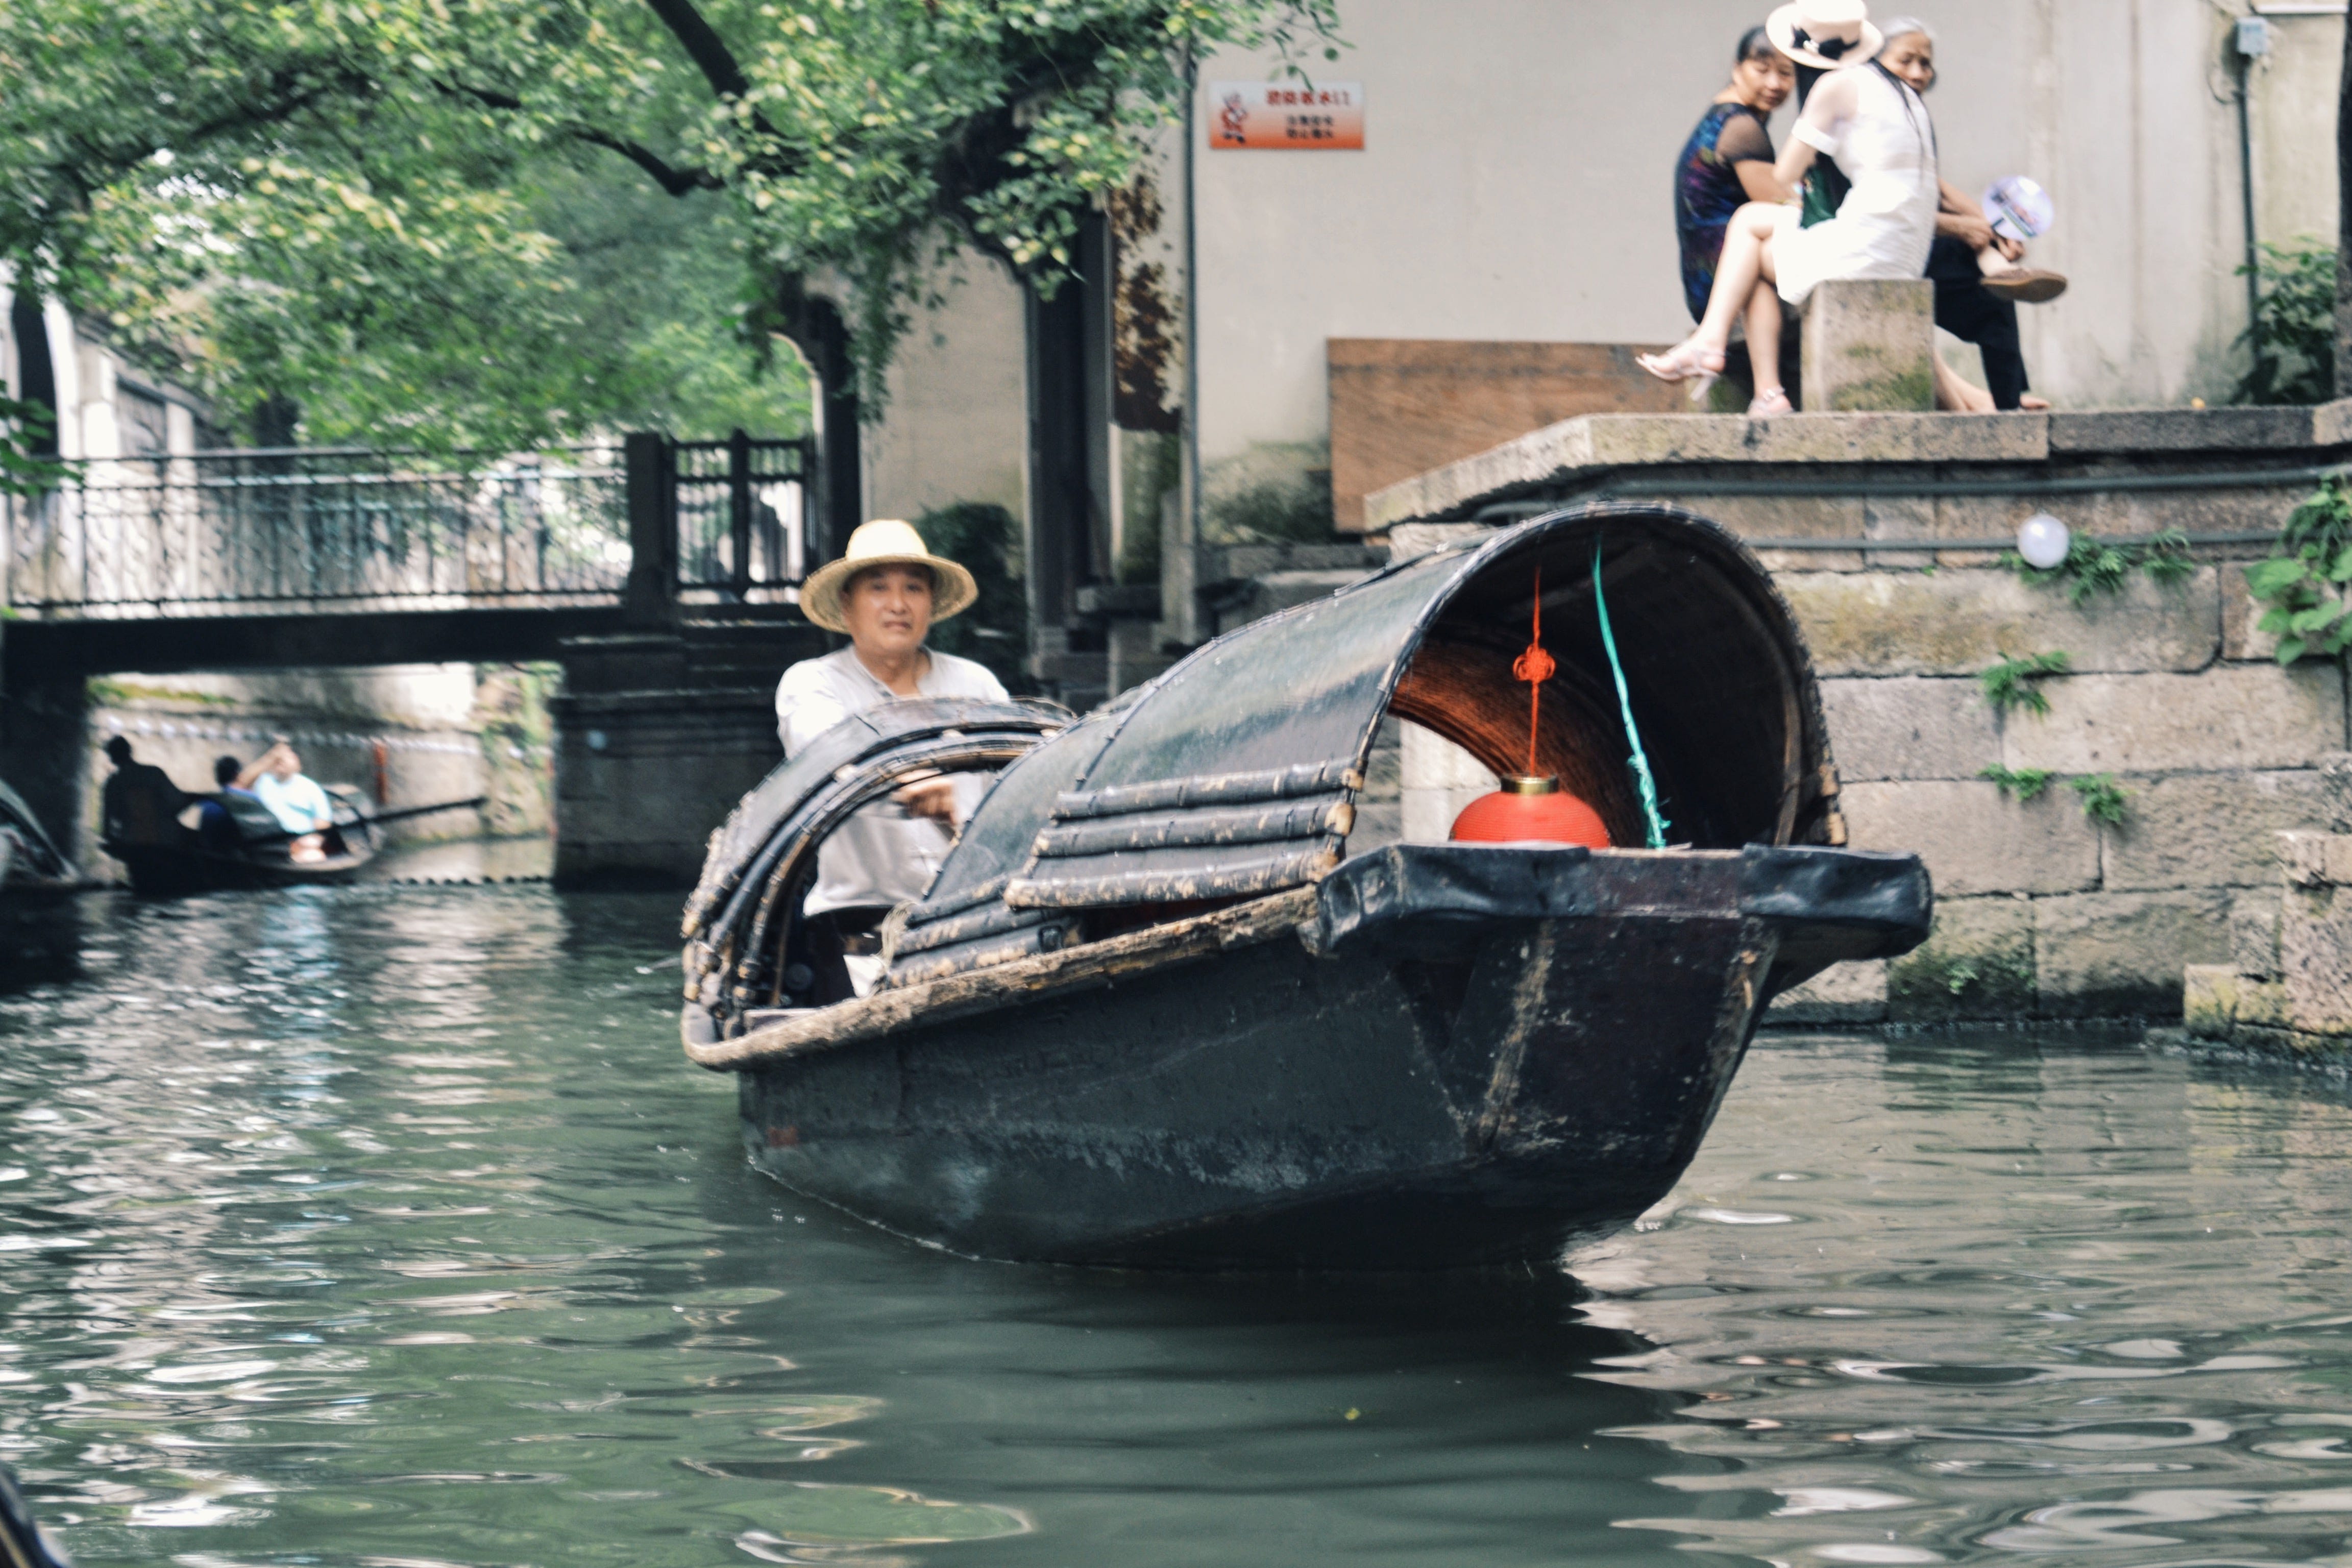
(1975, 314)
(1726, 162)
(216, 826)
(139, 805)
(1977, 272)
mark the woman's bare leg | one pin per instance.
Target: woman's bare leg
(1764, 336)
(1747, 259)
(1955, 394)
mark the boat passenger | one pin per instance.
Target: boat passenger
(885, 593)
(293, 798)
(139, 805)
(216, 827)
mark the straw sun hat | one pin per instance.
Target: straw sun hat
(1825, 34)
(885, 541)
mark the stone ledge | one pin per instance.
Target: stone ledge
(2200, 429)
(1587, 447)
(2314, 859)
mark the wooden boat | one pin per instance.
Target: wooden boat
(1164, 1005)
(261, 856)
(28, 857)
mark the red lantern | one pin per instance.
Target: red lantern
(1530, 810)
(1531, 807)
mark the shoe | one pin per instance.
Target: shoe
(1771, 403)
(2026, 284)
(1685, 361)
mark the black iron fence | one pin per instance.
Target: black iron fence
(234, 531)
(326, 529)
(741, 513)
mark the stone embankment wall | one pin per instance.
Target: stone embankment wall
(2043, 909)
(2287, 985)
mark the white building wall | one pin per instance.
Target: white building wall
(1517, 183)
(957, 426)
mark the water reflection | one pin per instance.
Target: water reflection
(2073, 1298)
(385, 1228)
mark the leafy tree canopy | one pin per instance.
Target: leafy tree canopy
(436, 218)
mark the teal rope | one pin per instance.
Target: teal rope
(1625, 707)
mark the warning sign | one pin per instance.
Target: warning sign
(1293, 116)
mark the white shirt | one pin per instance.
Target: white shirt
(881, 857)
(298, 803)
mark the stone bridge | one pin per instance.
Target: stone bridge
(661, 574)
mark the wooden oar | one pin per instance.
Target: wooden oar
(401, 815)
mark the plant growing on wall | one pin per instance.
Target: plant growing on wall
(2292, 334)
(2103, 800)
(2012, 683)
(2094, 566)
(2303, 582)
(2024, 784)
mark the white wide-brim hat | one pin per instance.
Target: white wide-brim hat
(1828, 35)
(885, 541)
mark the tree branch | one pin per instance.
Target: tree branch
(669, 177)
(677, 181)
(703, 46)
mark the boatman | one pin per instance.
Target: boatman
(884, 593)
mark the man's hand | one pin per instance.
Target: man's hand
(1969, 228)
(933, 798)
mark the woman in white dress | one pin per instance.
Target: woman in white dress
(1877, 129)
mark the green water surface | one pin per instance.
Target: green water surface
(388, 1226)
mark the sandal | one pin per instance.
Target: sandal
(1685, 361)
(1769, 404)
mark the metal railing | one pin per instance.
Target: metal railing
(249, 530)
(741, 512)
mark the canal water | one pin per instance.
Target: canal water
(386, 1227)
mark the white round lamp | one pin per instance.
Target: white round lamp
(2044, 540)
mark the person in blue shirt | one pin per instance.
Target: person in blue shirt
(293, 798)
(216, 828)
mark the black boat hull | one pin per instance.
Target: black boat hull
(173, 871)
(1445, 1058)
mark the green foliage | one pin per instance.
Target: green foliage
(2011, 683)
(2303, 580)
(2103, 800)
(1274, 511)
(2094, 566)
(2023, 783)
(2166, 558)
(387, 211)
(23, 469)
(2293, 335)
(995, 631)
